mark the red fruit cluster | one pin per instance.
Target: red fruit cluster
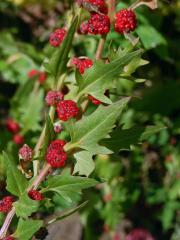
(139, 233)
(82, 63)
(125, 21)
(25, 153)
(12, 126)
(55, 154)
(94, 100)
(35, 195)
(6, 204)
(57, 37)
(9, 238)
(40, 75)
(67, 109)
(54, 97)
(98, 24)
(99, 4)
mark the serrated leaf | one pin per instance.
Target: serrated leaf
(16, 182)
(68, 186)
(122, 139)
(49, 136)
(133, 65)
(29, 111)
(87, 132)
(68, 213)
(84, 163)
(27, 228)
(57, 63)
(101, 76)
(25, 206)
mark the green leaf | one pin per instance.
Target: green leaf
(27, 228)
(25, 206)
(150, 37)
(122, 139)
(49, 136)
(21, 94)
(29, 111)
(58, 62)
(68, 213)
(87, 132)
(85, 164)
(16, 182)
(151, 130)
(68, 186)
(101, 76)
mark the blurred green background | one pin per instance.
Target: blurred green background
(142, 188)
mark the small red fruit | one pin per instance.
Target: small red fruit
(82, 63)
(42, 77)
(57, 37)
(94, 100)
(55, 154)
(67, 109)
(125, 21)
(33, 73)
(25, 153)
(139, 233)
(99, 4)
(56, 158)
(9, 238)
(83, 28)
(12, 126)
(56, 145)
(107, 197)
(54, 97)
(98, 24)
(18, 139)
(35, 195)
(6, 204)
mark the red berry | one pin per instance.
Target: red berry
(57, 37)
(107, 197)
(25, 153)
(6, 204)
(139, 233)
(99, 4)
(79, 2)
(12, 125)
(56, 158)
(35, 195)
(9, 238)
(57, 128)
(18, 139)
(94, 100)
(56, 145)
(98, 24)
(83, 28)
(82, 63)
(33, 73)
(42, 77)
(125, 21)
(67, 109)
(54, 97)
(55, 154)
